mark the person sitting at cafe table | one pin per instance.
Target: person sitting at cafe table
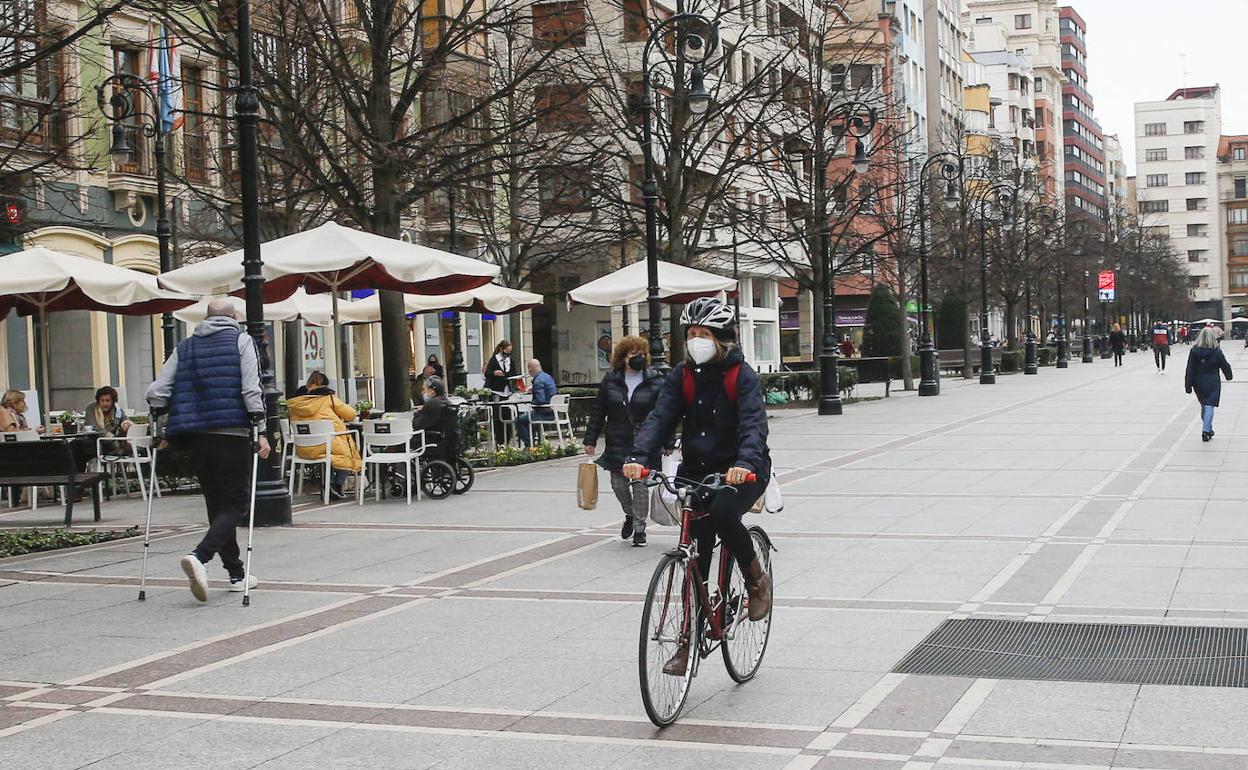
(544, 389)
(107, 418)
(13, 412)
(317, 401)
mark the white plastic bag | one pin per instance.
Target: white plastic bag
(664, 507)
(773, 501)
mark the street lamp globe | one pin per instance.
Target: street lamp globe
(120, 147)
(699, 99)
(861, 163)
(952, 199)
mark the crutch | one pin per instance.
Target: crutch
(158, 435)
(147, 529)
(251, 512)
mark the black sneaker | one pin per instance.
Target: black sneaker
(336, 494)
(626, 531)
(639, 540)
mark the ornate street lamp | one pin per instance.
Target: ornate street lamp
(859, 122)
(122, 106)
(1004, 193)
(697, 38)
(1087, 304)
(1045, 217)
(950, 169)
(1063, 342)
(272, 497)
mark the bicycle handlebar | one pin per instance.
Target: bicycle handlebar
(712, 482)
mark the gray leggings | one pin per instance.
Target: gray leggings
(634, 499)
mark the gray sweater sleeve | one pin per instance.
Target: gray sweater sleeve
(161, 389)
(249, 364)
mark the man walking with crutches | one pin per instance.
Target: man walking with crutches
(210, 386)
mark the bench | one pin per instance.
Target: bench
(48, 464)
(954, 360)
(871, 370)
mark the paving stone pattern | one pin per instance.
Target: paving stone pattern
(499, 630)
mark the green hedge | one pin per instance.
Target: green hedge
(797, 384)
(1011, 361)
(17, 542)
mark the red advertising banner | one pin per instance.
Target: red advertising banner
(1105, 285)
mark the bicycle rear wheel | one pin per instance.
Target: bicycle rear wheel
(663, 620)
(745, 641)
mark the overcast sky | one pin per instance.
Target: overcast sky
(1134, 55)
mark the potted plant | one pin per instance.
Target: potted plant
(364, 408)
(69, 423)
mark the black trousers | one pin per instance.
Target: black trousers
(723, 518)
(1117, 357)
(1159, 357)
(223, 465)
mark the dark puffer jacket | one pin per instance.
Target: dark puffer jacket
(621, 416)
(717, 434)
(1203, 365)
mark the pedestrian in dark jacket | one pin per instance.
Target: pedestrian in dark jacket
(626, 396)
(1161, 346)
(720, 435)
(210, 387)
(1203, 366)
(1117, 343)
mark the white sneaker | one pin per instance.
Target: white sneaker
(237, 586)
(194, 570)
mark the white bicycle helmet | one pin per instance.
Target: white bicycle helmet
(713, 314)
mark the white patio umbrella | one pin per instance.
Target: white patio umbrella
(629, 285)
(333, 258)
(490, 298)
(39, 281)
(316, 309)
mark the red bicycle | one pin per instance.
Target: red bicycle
(681, 608)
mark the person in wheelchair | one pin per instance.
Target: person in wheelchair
(439, 420)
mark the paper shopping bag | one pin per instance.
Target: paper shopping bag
(587, 486)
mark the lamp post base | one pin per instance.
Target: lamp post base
(1031, 361)
(829, 383)
(1087, 351)
(1063, 354)
(831, 405)
(987, 378)
(929, 376)
(1062, 363)
(272, 504)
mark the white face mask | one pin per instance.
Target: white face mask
(700, 349)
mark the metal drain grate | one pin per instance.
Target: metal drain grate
(1083, 652)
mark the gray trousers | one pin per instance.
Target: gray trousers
(634, 499)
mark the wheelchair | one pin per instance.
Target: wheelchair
(443, 471)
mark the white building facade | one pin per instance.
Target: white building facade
(1177, 185)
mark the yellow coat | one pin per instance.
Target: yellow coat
(322, 405)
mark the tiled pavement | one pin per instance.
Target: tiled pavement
(499, 629)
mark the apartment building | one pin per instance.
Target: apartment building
(1233, 203)
(1176, 165)
(943, 48)
(1117, 192)
(1011, 118)
(912, 61)
(1031, 32)
(1084, 160)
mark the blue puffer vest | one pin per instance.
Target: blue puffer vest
(208, 389)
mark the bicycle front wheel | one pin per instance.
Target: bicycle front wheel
(669, 617)
(745, 640)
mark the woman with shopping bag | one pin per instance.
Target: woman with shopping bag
(626, 396)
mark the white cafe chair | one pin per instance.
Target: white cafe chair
(313, 433)
(139, 441)
(389, 442)
(559, 421)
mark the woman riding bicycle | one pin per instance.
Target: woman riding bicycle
(719, 397)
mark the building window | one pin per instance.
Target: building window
(1193, 126)
(1155, 154)
(1197, 255)
(1157, 180)
(1237, 216)
(566, 190)
(1239, 279)
(561, 106)
(1196, 177)
(1196, 231)
(983, 20)
(194, 131)
(764, 344)
(1022, 21)
(1241, 187)
(1240, 153)
(636, 29)
(1239, 247)
(1194, 153)
(1157, 207)
(559, 25)
(1039, 85)
(1196, 204)
(1154, 129)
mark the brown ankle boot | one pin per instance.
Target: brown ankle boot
(679, 663)
(758, 586)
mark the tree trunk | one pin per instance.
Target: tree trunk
(1011, 324)
(907, 364)
(967, 371)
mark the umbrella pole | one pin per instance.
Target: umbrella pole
(340, 379)
(43, 366)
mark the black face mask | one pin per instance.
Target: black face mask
(637, 362)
